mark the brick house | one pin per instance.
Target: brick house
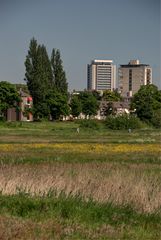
(21, 113)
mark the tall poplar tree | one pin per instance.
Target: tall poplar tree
(38, 77)
(45, 77)
(59, 76)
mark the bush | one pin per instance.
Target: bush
(2, 119)
(123, 122)
(91, 124)
(156, 119)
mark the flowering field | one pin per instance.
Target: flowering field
(80, 152)
(83, 147)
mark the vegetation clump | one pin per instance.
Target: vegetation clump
(9, 98)
(123, 122)
(147, 103)
(89, 124)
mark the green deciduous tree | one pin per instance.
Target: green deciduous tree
(146, 101)
(156, 118)
(97, 95)
(76, 106)
(112, 96)
(89, 104)
(57, 103)
(9, 97)
(110, 109)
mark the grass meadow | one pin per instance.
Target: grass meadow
(56, 183)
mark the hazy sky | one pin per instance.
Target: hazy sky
(83, 30)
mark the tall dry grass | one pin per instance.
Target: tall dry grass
(137, 185)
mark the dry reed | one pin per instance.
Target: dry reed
(136, 185)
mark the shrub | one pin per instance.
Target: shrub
(2, 119)
(156, 119)
(91, 124)
(122, 122)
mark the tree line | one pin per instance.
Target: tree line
(46, 82)
(146, 104)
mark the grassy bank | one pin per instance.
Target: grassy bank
(49, 132)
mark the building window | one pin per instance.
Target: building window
(130, 79)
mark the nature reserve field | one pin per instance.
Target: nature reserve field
(97, 184)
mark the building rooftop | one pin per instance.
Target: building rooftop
(97, 61)
(134, 65)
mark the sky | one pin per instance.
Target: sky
(83, 30)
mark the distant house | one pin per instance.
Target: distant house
(22, 111)
(118, 108)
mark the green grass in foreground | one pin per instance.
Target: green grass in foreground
(125, 222)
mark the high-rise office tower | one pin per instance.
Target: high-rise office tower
(101, 75)
(132, 76)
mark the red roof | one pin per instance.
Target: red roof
(29, 99)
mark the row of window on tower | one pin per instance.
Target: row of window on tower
(130, 76)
